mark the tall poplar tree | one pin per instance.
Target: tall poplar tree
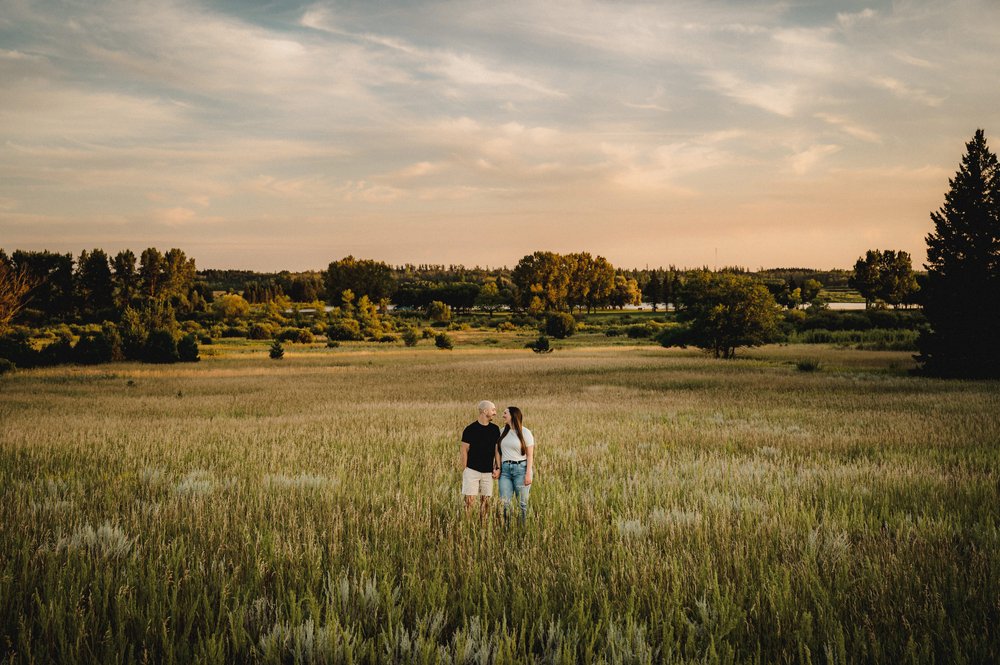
(961, 296)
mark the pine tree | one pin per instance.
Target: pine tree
(961, 296)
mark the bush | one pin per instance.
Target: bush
(613, 331)
(234, 331)
(16, 348)
(560, 325)
(443, 341)
(676, 335)
(206, 340)
(295, 335)
(110, 331)
(260, 331)
(505, 326)
(387, 339)
(277, 352)
(540, 345)
(639, 331)
(187, 349)
(427, 333)
(6, 366)
(522, 320)
(410, 337)
(58, 352)
(161, 348)
(807, 365)
(438, 311)
(344, 330)
(93, 348)
(332, 344)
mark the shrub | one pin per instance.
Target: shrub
(6, 366)
(205, 340)
(807, 365)
(277, 352)
(505, 326)
(260, 331)
(613, 331)
(410, 337)
(234, 331)
(560, 325)
(58, 352)
(387, 339)
(344, 330)
(16, 348)
(540, 345)
(438, 311)
(332, 344)
(93, 348)
(295, 335)
(443, 341)
(110, 331)
(676, 335)
(427, 333)
(187, 349)
(161, 348)
(523, 320)
(639, 331)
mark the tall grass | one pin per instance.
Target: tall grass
(876, 339)
(683, 510)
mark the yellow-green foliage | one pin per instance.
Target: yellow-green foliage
(684, 509)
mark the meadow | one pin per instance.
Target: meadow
(684, 509)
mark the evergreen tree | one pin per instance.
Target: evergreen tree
(961, 295)
(94, 285)
(653, 291)
(125, 279)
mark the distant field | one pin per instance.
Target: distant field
(685, 509)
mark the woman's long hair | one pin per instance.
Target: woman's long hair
(515, 420)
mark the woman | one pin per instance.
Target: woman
(515, 457)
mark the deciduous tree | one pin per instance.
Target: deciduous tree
(722, 312)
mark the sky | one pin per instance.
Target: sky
(285, 135)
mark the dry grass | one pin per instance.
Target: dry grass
(684, 509)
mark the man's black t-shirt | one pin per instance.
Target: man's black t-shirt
(482, 440)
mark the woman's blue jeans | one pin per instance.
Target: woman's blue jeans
(511, 482)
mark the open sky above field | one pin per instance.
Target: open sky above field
(285, 135)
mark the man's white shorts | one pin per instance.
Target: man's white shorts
(476, 483)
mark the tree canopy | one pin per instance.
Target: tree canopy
(722, 312)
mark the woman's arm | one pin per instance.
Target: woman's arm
(530, 452)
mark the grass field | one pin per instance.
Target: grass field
(684, 509)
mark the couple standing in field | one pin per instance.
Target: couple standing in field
(488, 454)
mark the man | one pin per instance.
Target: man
(479, 466)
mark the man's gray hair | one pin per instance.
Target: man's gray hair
(486, 404)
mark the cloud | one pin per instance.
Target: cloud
(849, 127)
(780, 99)
(906, 92)
(852, 19)
(179, 114)
(804, 161)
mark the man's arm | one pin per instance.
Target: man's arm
(463, 456)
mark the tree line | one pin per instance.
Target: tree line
(139, 300)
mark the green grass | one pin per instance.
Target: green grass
(684, 509)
